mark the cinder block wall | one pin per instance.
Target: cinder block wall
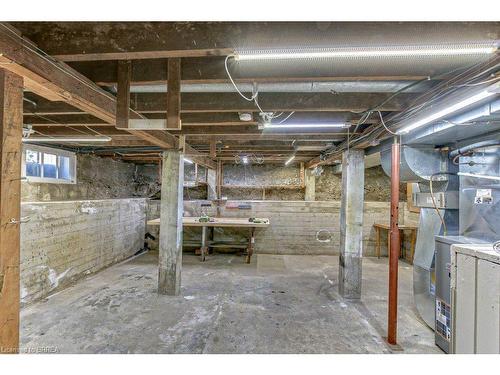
(66, 240)
(294, 225)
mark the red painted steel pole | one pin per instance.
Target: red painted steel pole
(392, 321)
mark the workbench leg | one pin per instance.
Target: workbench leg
(204, 247)
(377, 236)
(251, 242)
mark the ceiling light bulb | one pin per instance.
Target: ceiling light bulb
(447, 111)
(304, 126)
(72, 139)
(369, 52)
(290, 160)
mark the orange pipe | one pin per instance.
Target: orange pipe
(392, 319)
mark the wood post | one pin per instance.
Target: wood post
(123, 93)
(170, 253)
(310, 184)
(392, 316)
(213, 149)
(351, 223)
(11, 124)
(219, 179)
(174, 94)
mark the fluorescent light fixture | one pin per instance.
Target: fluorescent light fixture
(74, 139)
(305, 126)
(290, 160)
(370, 52)
(448, 110)
(475, 175)
(188, 161)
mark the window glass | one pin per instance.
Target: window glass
(49, 165)
(33, 165)
(64, 171)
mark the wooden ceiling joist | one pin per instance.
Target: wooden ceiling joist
(211, 71)
(275, 102)
(67, 85)
(67, 39)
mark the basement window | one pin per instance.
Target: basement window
(43, 164)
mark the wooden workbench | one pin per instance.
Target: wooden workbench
(220, 222)
(402, 228)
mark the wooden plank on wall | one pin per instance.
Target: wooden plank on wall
(11, 122)
(174, 94)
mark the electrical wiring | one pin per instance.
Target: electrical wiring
(254, 95)
(383, 124)
(287, 117)
(480, 83)
(445, 229)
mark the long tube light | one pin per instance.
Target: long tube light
(448, 110)
(363, 52)
(290, 160)
(475, 175)
(304, 126)
(189, 161)
(76, 139)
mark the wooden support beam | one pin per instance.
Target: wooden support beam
(351, 224)
(213, 149)
(148, 103)
(310, 185)
(171, 213)
(219, 179)
(174, 94)
(11, 123)
(211, 70)
(123, 94)
(145, 55)
(66, 83)
(85, 38)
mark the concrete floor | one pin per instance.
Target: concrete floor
(277, 304)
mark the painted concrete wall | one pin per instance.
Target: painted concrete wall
(294, 225)
(64, 241)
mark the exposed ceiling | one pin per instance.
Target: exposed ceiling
(317, 91)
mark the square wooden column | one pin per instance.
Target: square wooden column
(351, 223)
(11, 130)
(172, 210)
(310, 185)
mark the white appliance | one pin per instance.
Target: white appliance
(475, 299)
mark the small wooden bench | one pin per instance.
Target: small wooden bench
(402, 228)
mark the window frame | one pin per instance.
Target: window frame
(53, 151)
